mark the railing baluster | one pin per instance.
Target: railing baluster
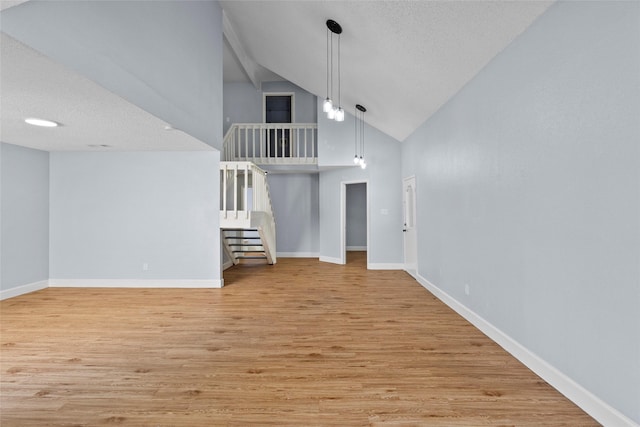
(224, 191)
(236, 141)
(268, 133)
(246, 189)
(235, 190)
(253, 142)
(261, 133)
(246, 148)
(280, 145)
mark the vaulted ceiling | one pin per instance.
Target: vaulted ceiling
(401, 59)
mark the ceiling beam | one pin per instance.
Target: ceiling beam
(249, 65)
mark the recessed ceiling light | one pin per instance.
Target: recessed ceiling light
(41, 122)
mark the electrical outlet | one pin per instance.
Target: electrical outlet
(145, 267)
(467, 289)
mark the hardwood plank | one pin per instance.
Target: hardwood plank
(301, 343)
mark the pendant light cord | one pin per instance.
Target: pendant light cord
(355, 140)
(339, 103)
(331, 35)
(328, 56)
(362, 135)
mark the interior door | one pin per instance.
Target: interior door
(409, 226)
(278, 110)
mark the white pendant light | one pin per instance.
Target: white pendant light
(359, 136)
(327, 105)
(334, 112)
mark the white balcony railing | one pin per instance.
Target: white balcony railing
(272, 143)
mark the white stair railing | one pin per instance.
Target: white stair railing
(272, 143)
(246, 203)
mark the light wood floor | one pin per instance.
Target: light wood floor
(302, 343)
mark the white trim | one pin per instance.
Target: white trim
(331, 260)
(385, 266)
(412, 270)
(591, 404)
(134, 283)
(227, 264)
(23, 289)
(298, 255)
(343, 223)
(412, 266)
(356, 248)
(343, 217)
(293, 104)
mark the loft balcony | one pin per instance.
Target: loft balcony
(277, 144)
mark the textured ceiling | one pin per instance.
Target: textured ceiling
(32, 85)
(401, 59)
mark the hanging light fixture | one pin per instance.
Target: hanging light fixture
(359, 136)
(334, 112)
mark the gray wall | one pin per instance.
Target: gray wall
(356, 215)
(383, 174)
(243, 102)
(166, 58)
(163, 56)
(295, 201)
(112, 212)
(24, 216)
(529, 188)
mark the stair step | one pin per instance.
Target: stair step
(249, 251)
(256, 245)
(242, 237)
(239, 229)
(251, 257)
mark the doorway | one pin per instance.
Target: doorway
(354, 221)
(279, 108)
(410, 233)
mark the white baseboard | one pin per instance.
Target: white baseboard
(23, 289)
(356, 248)
(298, 254)
(411, 270)
(331, 260)
(591, 404)
(134, 283)
(384, 266)
(227, 264)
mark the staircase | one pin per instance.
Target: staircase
(247, 225)
(244, 244)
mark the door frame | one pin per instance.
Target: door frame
(410, 268)
(343, 219)
(291, 134)
(264, 104)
